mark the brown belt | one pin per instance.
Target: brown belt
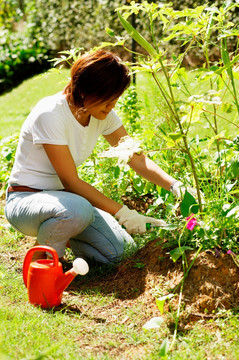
(22, 189)
(19, 188)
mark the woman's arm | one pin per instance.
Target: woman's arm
(142, 164)
(63, 163)
(151, 171)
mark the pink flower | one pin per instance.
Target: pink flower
(191, 222)
(229, 252)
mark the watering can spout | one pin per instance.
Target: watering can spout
(64, 280)
(80, 267)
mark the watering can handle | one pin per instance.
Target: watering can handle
(28, 258)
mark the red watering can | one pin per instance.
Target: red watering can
(44, 278)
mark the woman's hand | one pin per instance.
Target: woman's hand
(178, 190)
(134, 222)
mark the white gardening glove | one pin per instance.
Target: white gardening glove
(178, 189)
(134, 222)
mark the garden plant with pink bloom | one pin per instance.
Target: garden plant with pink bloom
(191, 222)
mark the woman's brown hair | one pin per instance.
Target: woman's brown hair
(97, 76)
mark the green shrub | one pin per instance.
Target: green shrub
(20, 58)
(70, 24)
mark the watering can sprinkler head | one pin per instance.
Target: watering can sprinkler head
(80, 266)
(44, 278)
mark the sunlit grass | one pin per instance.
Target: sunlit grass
(17, 104)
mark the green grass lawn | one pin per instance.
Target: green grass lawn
(17, 104)
(91, 325)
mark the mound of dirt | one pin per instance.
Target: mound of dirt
(212, 283)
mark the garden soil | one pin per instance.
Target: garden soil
(211, 285)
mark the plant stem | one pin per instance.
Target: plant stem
(177, 318)
(176, 117)
(189, 268)
(184, 135)
(222, 117)
(180, 299)
(163, 93)
(192, 166)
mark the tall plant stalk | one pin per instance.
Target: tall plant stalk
(171, 104)
(196, 29)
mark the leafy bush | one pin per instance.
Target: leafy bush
(64, 25)
(20, 58)
(55, 26)
(10, 13)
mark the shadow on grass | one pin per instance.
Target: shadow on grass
(72, 310)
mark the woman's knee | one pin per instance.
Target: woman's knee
(121, 251)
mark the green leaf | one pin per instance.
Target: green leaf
(110, 32)
(227, 107)
(228, 65)
(116, 172)
(214, 138)
(234, 168)
(164, 348)
(154, 323)
(188, 205)
(137, 36)
(175, 136)
(164, 20)
(225, 56)
(138, 184)
(160, 301)
(178, 252)
(169, 227)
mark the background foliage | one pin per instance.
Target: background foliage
(33, 31)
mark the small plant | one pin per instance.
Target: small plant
(8, 147)
(175, 254)
(130, 108)
(138, 264)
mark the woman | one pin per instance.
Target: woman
(46, 198)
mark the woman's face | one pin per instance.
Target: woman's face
(100, 110)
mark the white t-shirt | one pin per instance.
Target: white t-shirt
(52, 122)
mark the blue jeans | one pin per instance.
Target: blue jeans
(56, 217)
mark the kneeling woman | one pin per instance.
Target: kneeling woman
(46, 197)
